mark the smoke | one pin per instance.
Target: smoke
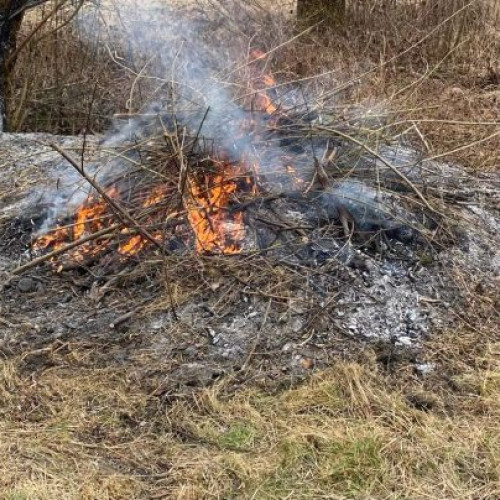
(196, 65)
(178, 59)
(193, 71)
(185, 66)
(68, 190)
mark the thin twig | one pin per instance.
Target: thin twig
(66, 248)
(384, 161)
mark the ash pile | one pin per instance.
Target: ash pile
(292, 226)
(271, 268)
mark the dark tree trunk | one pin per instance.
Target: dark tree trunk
(328, 12)
(11, 16)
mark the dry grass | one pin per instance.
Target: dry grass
(430, 68)
(63, 84)
(78, 430)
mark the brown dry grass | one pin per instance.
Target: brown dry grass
(60, 80)
(432, 72)
(86, 428)
(431, 69)
(80, 430)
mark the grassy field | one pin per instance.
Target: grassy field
(357, 430)
(370, 427)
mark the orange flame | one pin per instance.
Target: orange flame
(262, 100)
(135, 244)
(216, 230)
(158, 194)
(257, 54)
(91, 217)
(264, 103)
(132, 246)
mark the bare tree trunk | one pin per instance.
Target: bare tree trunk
(11, 17)
(328, 12)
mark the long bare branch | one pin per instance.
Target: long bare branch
(369, 150)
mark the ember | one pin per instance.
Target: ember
(215, 230)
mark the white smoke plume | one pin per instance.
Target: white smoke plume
(183, 63)
(179, 59)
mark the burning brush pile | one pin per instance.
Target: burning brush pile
(225, 160)
(225, 184)
(274, 182)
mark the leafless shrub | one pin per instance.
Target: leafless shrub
(409, 49)
(461, 28)
(60, 80)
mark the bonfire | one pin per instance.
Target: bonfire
(222, 199)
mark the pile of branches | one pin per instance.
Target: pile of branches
(306, 159)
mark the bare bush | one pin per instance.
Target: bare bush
(62, 83)
(65, 84)
(390, 26)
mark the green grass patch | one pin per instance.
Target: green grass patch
(239, 437)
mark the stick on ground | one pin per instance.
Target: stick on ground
(66, 248)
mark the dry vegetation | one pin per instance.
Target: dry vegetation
(367, 428)
(432, 70)
(83, 430)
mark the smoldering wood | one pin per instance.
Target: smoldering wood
(64, 249)
(310, 213)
